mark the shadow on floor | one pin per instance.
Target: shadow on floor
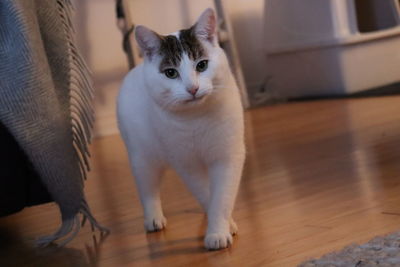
(14, 251)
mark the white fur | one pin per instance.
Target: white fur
(202, 140)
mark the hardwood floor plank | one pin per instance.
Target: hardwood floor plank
(319, 175)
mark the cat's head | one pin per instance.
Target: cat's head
(182, 70)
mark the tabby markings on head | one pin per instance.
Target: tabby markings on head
(173, 47)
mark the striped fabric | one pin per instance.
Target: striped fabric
(45, 102)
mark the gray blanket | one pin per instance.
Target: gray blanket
(45, 100)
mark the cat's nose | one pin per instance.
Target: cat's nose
(193, 90)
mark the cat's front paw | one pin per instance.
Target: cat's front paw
(214, 241)
(154, 224)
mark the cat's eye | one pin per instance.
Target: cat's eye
(171, 73)
(202, 66)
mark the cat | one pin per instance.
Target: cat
(181, 108)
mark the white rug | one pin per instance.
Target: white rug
(380, 251)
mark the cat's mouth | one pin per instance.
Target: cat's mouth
(195, 99)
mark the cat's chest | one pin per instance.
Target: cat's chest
(183, 135)
(186, 139)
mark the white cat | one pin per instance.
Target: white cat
(181, 108)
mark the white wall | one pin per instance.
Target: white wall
(100, 42)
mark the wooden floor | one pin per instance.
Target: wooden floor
(319, 175)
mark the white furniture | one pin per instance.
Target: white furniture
(330, 47)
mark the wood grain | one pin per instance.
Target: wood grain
(319, 175)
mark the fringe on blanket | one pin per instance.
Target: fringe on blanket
(82, 118)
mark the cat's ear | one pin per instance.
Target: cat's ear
(206, 26)
(148, 41)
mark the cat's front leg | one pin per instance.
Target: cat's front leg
(225, 178)
(199, 185)
(148, 177)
